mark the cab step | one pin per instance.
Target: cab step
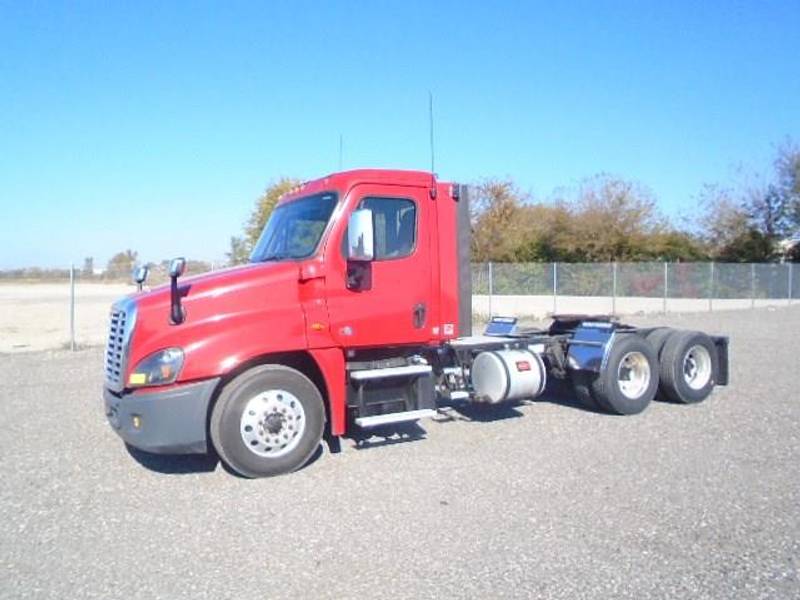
(398, 417)
(404, 371)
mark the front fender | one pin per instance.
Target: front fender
(225, 342)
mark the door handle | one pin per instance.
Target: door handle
(419, 315)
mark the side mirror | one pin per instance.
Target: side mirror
(360, 236)
(140, 276)
(177, 267)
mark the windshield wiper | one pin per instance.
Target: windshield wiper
(275, 256)
(271, 257)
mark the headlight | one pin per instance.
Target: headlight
(160, 368)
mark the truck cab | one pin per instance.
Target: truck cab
(303, 304)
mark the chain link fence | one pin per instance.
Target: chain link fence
(539, 289)
(68, 307)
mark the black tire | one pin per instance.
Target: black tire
(658, 337)
(606, 387)
(676, 367)
(582, 386)
(227, 418)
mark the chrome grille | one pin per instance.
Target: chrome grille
(120, 325)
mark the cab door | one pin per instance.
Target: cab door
(389, 300)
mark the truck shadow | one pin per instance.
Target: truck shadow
(385, 435)
(174, 464)
(557, 392)
(455, 410)
(185, 464)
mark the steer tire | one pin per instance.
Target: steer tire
(686, 378)
(266, 404)
(610, 387)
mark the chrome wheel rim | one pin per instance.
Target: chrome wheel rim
(697, 367)
(633, 375)
(272, 423)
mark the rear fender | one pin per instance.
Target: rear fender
(723, 372)
(589, 346)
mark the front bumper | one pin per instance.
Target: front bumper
(171, 421)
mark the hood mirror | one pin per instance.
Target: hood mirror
(177, 314)
(360, 236)
(140, 276)
(177, 267)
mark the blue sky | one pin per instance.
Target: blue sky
(155, 126)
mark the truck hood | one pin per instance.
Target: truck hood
(248, 296)
(215, 283)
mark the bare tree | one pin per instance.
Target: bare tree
(770, 211)
(787, 167)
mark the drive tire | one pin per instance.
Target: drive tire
(658, 337)
(582, 386)
(629, 379)
(688, 367)
(277, 386)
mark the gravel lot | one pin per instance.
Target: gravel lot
(542, 499)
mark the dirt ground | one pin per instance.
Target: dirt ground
(36, 316)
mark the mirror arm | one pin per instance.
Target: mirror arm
(176, 310)
(176, 269)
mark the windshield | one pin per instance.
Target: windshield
(295, 228)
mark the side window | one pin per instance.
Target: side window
(395, 223)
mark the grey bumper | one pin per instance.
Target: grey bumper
(170, 422)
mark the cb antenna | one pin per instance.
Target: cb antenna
(433, 154)
(341, 150)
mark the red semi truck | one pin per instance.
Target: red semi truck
(355, 310)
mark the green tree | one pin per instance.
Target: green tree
(547, 231)
(729, 229)
(616, 218)
(121, 265)
(496, 225)
(750, 246)
(673, 245)
(746, 223)
(241, 247)
(238, 253)
(722, 219)
(604, 219)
